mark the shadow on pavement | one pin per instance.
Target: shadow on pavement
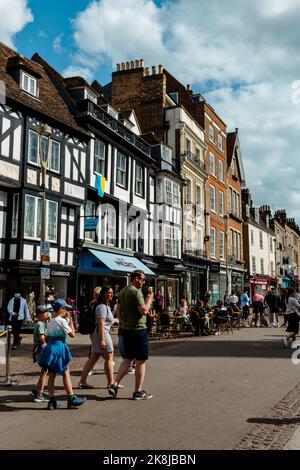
(275, 421)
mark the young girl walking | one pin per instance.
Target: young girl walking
(56, 355)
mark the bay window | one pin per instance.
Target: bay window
(33, 213)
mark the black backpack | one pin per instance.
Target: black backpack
(87, 321)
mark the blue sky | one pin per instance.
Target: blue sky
(243, 56)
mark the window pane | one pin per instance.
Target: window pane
(33, 147)
(32, 87)
(39, 218)
(54, 161)
(52, 220)
(15, 215)
(29, 216)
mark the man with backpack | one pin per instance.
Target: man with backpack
(18, 311)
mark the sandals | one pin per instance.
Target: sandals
(84, 386)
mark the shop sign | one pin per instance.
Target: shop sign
(45, 273)
(91, 223)
(214, 267)
(60, 273)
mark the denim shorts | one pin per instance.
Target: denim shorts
(136, 344)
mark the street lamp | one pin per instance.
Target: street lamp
(44, 151)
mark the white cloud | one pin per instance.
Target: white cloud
(244, 53)
(74, 71)
(57, 46)
(14, 16)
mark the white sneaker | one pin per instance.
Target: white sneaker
(285, 342)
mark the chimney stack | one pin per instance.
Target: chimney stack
(188, 87)
(141, 62)
(122, 66)
(118, 67)
(127, 65)
(153, 70)
(137, 63)
(146, 71)
(160, 69)
(132, 64)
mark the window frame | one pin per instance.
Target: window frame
(212, 242)
(50, 159)
(15, 215)
(220, 142)
(98, 158)
(221, 203)
(122, 171)
(30, 79)
(36, 225)
(212, 164)
(139, 181)
(221, 165)
(211, 133)
(211, 187)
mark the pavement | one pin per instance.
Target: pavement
(235, 391)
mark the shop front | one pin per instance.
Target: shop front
(217, 282)
(103, 268)
(237, 281)
(195, 280)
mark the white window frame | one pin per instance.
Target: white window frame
(99, 158)
(211, 133)
(176, 193)
(221, 203)
(168, 192)
(212, 191)
(221, 171)
(36, 227)
(139, 180)
(212, 166)
(220, 142)
(261, 242)
(252, 237)
(262, 266)
(212, 242)
(50, 159)
(121, 170)
(253, 265)
(30, 81)
(271, 244)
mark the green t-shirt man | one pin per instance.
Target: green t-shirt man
(130, 298)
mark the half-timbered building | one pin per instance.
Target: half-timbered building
(115, 220)
(29, 100)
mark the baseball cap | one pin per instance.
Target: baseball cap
(42, 309)
(60, 303)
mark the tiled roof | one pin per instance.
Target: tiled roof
(49, 102)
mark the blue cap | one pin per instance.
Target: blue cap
(42, 309)
(60, 303)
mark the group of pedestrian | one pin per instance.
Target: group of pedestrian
(53, 355)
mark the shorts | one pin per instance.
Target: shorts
(136, 344)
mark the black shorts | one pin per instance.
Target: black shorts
(136, 344)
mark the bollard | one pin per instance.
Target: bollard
(8, 382)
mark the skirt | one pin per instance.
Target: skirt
(95, 339)
(56, 356)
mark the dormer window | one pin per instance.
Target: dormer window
(174, 97)
(29, 83)
(110, 110)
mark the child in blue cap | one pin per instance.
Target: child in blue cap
(56, 355)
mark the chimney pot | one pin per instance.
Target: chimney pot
(127, 65)
(153, 70)
(118, 67)
(137, 63)
(146, 71)
(141, 62)
(188, 87)
(123, 66)
(160, 69)
(132, 64)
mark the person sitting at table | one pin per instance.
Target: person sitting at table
(199, 319)
(220, 316)
(183, 314)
